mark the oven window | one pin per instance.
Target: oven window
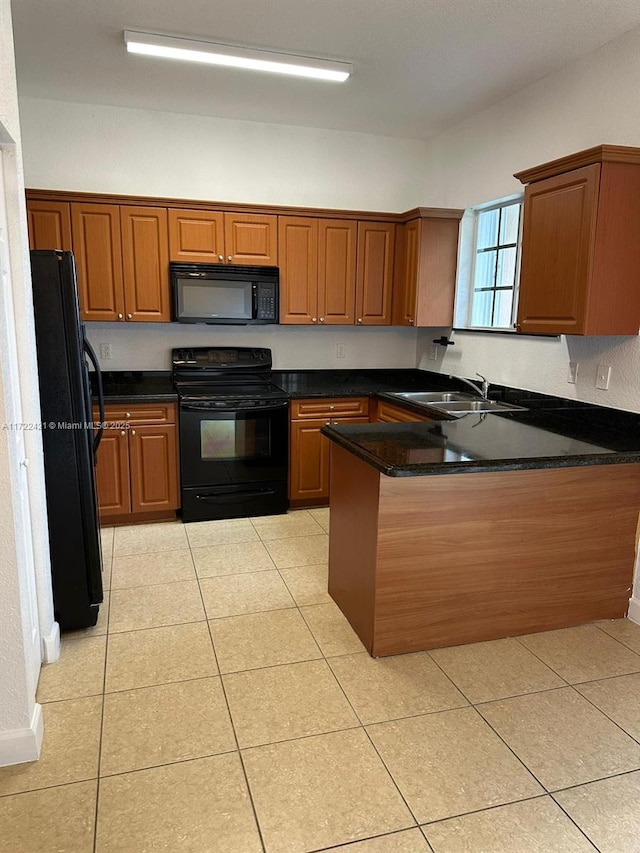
(229, 438)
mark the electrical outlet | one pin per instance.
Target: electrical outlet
(105, 350)
(603, 377)
(433, 353)
(341, 351)
(573, 372)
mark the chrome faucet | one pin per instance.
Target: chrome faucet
(485, 384)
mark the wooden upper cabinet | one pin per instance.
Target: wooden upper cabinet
(425, 269)
(251, 239)
(374, 273)
(336, 271)
(196, 236)
(49, 225)
(298, 261)
(98, 253)
(145, 263)
(580, 245)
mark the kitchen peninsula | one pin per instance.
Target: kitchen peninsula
(486, 526)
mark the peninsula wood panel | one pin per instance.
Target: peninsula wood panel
(470, 557)
(336, 271)
(196, 236)
(251, 239)
(298, 261)
(153, 453)
(463, 558)
(98, 254)
(49, 225)
(374, 273)
(354, 507)
(145, 262)
(112, 474)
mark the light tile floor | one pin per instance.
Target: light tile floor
(224, 705)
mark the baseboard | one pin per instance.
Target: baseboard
(51, 645)
(22, 745)
(634, 610)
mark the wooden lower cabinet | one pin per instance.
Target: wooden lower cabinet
(310, 451)
(137, 470)
(387, 413)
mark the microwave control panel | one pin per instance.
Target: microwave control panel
(266, 301)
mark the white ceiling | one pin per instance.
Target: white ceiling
(420, 66)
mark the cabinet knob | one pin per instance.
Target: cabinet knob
(221, 258)
(328, 423)
(331, 408)
(314, 319)
(122, 432)
(322, 319)
(359, 321)
(129, 316)
(229, 258)
(133, 432)
(518, 327)
(411, 321)
(120, 316)
(127, 414)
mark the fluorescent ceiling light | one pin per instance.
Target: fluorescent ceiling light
(170, 47)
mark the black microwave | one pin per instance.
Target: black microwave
(221, 294)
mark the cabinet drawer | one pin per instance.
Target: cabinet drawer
(138, 413)
(390, 414)
(330, 407)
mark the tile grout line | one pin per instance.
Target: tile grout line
(231, 723)
(613, 637)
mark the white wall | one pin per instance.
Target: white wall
(590, 102)
(115, 150)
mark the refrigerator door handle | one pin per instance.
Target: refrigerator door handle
(94, 361)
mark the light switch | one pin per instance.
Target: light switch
(603, 376)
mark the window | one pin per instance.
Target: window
(494, 266)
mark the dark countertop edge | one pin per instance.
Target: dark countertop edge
(439, 468)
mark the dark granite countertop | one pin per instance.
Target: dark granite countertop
(136, 386)
(539, 438)
(356, 382)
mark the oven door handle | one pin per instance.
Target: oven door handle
(217, 498)
(194, 407)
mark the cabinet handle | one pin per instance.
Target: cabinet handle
(229, 258)
(359, 321)
(120, 316)
(322, 319)
(221, 258)
(314, 319)
(133, 432)
(129, 316)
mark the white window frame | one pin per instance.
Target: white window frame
(467, 266)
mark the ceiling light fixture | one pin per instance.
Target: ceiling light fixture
(170, 47)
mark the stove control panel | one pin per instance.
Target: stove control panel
(221, 358)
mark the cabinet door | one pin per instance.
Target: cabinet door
(336, 271)
(112, 474)
(374, 277)
(153, 452)
(298, 261)
(251, 239)
(196, 236)
(406, 274)
(49, 225)
(387, 413)
(309, 468)
(557, 250)
(98, 253)
(145, 264)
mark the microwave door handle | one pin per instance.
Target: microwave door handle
(254, 300)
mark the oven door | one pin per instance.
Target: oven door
(233, 442)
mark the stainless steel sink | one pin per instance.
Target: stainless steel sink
(464, 407)
(431, 397)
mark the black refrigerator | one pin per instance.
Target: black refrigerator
(69, 440)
